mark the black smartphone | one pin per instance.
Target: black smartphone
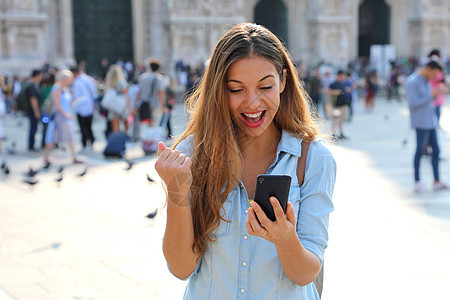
(272, 185)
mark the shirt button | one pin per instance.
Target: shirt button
(244, 263)
(242, 291)
(246, 211)
(245, 237)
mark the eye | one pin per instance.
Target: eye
(235, 91)
(266, 87)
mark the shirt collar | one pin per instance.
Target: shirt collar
(289, 144)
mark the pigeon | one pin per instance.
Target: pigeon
(30, 182)
(149, 178)
(6, 170)
(152, 215)
(60, 169)
(130, 165)
(31, 172)
(82, 173)
(47, 165)
(59, 179)
(3, 165)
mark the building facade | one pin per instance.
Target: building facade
(61, 32)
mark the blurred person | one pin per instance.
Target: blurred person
(2, 115)
(314, 89)
(327, 79)
(104, 65)
(439, 84)
(61, 127)
(129, 69)
(394, 83)
(420, 98)
(115, 79)
(34, 111)
(85, 94)
(170, 103)
(133, 90)
(371, 87)
(250, 116)
(351, 86)
(151, 97)
(17, 87)
(7, 89)
(46, 103)
(339, 95)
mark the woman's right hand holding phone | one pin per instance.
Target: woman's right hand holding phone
(174, 168)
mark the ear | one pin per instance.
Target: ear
(283, 80)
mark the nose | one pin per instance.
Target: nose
(253, 99)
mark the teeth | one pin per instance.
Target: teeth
(253, 115)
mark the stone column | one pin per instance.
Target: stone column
(138, 30)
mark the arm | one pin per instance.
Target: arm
(300, 241)
(417, 97)
(162, 100)
(136, 100)
(175, 170)
(76, 89)
(299, 264)
(34, 102)
(127, 98)
(439, 90)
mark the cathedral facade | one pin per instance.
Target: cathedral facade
(61, 32)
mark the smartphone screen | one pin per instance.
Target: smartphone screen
(272, 185)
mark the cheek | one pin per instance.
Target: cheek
(234, 102)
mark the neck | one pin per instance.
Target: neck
(423, 73)
(262, 145)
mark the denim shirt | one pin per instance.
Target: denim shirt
(420, 102)
(240, 266)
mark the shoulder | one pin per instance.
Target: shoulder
(121, 85)
(55, 88)
(320, 154)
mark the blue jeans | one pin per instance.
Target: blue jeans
(424, 137)
(438, 113)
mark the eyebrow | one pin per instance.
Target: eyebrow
(264, 78)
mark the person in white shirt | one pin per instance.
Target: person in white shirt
(84, 94)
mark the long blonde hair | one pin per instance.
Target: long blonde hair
(114, 76)
(217, 161)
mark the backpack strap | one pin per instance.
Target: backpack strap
(301, 165)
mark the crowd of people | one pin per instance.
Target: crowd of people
(48, 97)
(54, 100)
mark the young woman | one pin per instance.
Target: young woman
(61, 129)
(115, 79)
(250, 115)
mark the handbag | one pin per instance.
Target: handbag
(115, 102)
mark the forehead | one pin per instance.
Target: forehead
(251, 65)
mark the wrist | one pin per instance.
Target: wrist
(290, 242)
(179, 197)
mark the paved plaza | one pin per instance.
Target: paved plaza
(88, 238)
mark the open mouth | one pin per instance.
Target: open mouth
(254, 120)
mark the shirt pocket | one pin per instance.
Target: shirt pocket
(226, 212)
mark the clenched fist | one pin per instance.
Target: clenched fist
(174, 168)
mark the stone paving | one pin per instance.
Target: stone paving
(88, 238)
